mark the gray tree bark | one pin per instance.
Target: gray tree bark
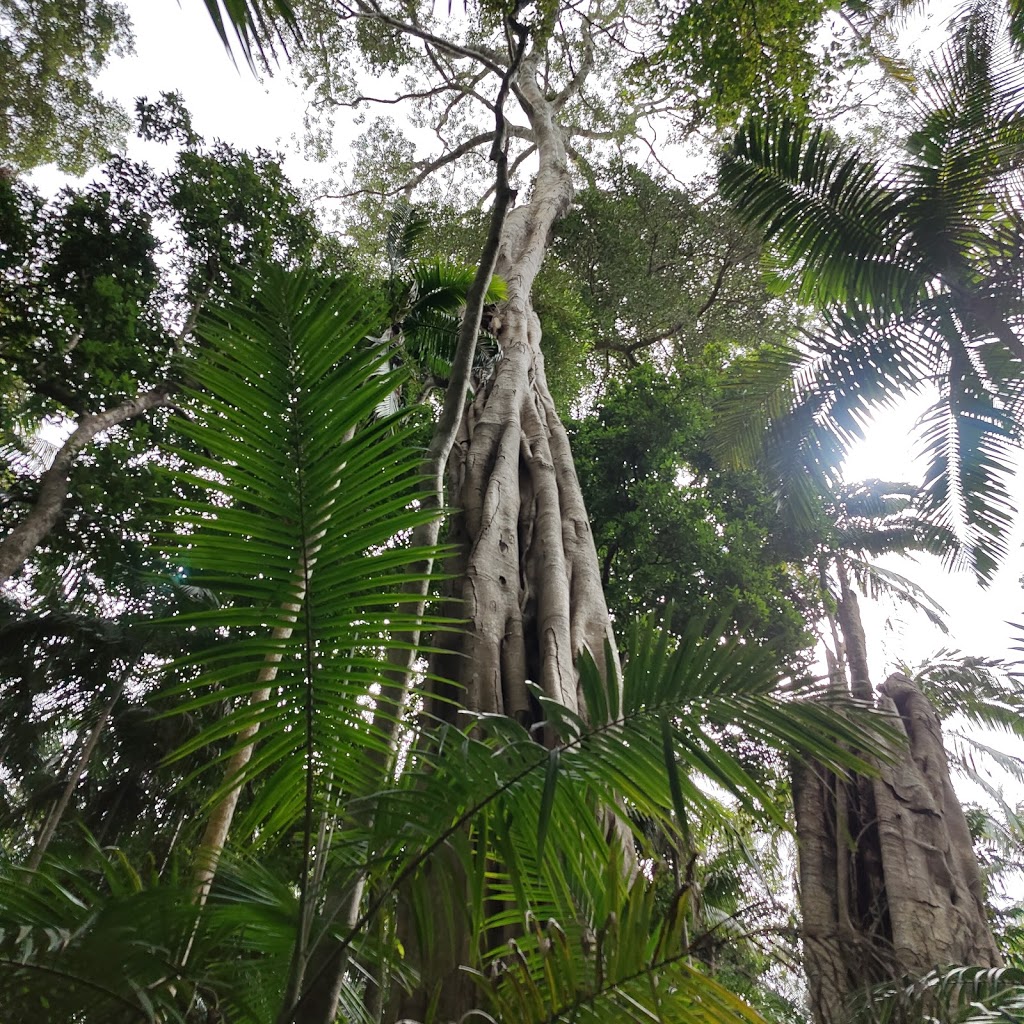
(889, 883)
(526, 578)
(43, 515)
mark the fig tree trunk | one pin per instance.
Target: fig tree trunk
(528, 580)
(889, 883)
(525, 574)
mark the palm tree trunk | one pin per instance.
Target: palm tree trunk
(855, 642)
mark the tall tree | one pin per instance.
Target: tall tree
(525, 574)
(50, 111)
(889, 882)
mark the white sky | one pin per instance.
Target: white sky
(178, 49)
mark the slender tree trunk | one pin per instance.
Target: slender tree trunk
(889, 884)
(56, 815)
(854, 641)
(53, 486)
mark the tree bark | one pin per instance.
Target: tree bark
(932, 880)
(53, 486)
(525, 574)
(529, 582)
(889, 883)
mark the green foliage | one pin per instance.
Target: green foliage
(89, 934)
(256, 25)
(98, 289)
(958, 995)
(297, 528)
(285, 381)
(49, 51)
(674, 529)
(734, 57)
(916, 273)
(660, 272)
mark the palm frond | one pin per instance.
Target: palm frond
(875, 581)
(635, 965)
(300, 533)
(969, 443)
(253, 23)
(955, 995)
(981, 690)
(917, 272)
(90, 936)
(831, 214)
(406, 227)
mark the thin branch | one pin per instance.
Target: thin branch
(391, 100)
(576, 82)
(513, 167)
(373, 13)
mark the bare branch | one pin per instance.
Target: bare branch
(577, 80)
(429, 167)
(513, 167)
(487, 60)
(393, 100)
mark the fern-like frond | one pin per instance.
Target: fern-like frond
(301, 534)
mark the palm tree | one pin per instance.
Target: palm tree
(915, 270)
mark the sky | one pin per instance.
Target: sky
(178, 49)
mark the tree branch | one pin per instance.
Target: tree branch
(373, 13)
(576, 82)
(24, 538)
(58, 393)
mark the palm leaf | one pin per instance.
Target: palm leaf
(86, 935)
(875, 581)
(831, 214)
(980, 690)
(300, 532)
(915, 271)
(253, 23)
(956, 995)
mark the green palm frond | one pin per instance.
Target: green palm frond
(955, 995)
(981, 690)
(970, 444)
(254, 24)
(1015, 26)
(91, 935)
(832, 215)
(916, 272)
(635, 965)
(406, 227)
(874, 581)
(301, 532)
(524, 829)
